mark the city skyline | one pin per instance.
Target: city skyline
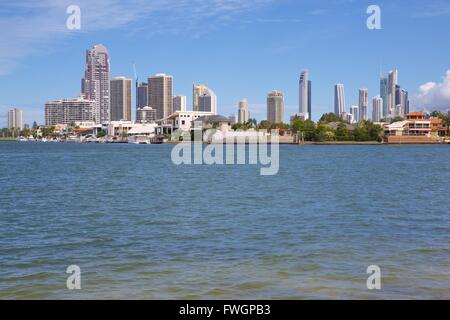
(262, 65)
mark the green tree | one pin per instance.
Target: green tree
(101, 134)
(330, 117)
(265, 125)
(324, 133)
(305, 128)
(47, 132)
(343, 134)
(397, 119)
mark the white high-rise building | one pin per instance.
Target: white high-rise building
(160, 97)
(207, 101)
(377, 109)
(304, 96)
(354, 111)
(275, 106)
(339, 99)
(179, 103)
(15, 119)
(384, 95)
(95, 85)
(391, 94)
(120, 99)
(243, 115)
(363, 104)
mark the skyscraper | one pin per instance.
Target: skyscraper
(354, 111)
(405, 102)
(120, 99)
(95, 85)
(243, 115)
(305, 96)
(363, 104)
(207, 101)
(142, 95)
(275, 107)
(339, 99)
(309, 99)
(179, 103)
(392, 87)
(384, 96)
(15, 119)
(377, 109)
(197, 91)
(160, 95)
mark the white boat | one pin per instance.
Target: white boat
(73, 139)
(139, 139)
(22, 139)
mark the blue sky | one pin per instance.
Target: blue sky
(240, 48)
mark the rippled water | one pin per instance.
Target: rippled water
(140, 227)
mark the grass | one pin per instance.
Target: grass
(8, 139)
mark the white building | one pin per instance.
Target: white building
(127, 128)
(391, 94)
(339, 99)
(15, 119)
(243, 115)
(95, 85)
(363, 104)
(354, 111)
(145, 115)
(377, 109)
(66, 111)
(304, 95)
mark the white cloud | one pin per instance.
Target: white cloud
(37, 25)
(434, 96)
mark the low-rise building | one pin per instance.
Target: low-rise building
(415, 129)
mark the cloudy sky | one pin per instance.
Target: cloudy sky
(240, 48)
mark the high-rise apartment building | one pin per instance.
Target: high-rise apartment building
(95, 85)
(179, 103)
(197, 91)
(392, 88)
(305, 96)
(354, 111)
(243, 113)
(142, 95)
(384, 96)
(363, 104)
(377, 109)
(207, 101)
(66, 111)
(160, 97)
(145, 115)
(339, 99)
(120, 99)
(275, 107)
(15, 119)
